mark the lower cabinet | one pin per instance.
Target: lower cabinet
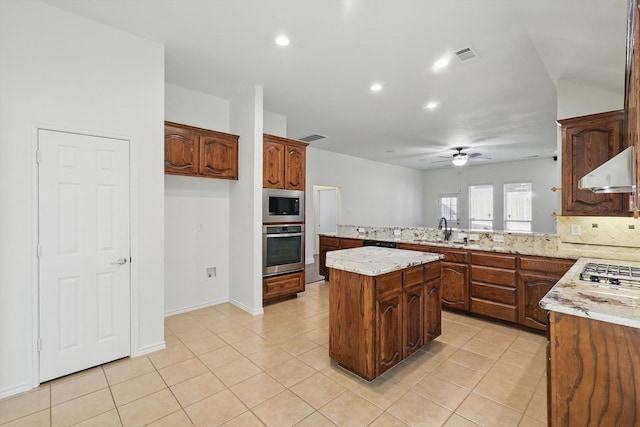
(328, 243)
(537, 275)
(493, 286)
(455, 285)
(375, 322)
(592, 373)
(282, 285)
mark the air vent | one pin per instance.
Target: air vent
(466, 54)
(311, 138)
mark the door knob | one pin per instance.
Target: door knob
(120, 261)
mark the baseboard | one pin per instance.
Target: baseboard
(247, 309)
(195, 307)
(150, 349)
(12, 391)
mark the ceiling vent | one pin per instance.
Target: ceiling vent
(466, 54)
(311, 138)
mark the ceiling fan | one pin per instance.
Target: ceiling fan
(460, 158)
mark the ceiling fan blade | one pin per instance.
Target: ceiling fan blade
(441, 161)
(473, 155)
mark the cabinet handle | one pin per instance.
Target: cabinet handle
(554, 189)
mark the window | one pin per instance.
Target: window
(449, 207)
(481, 207)
(517, 207)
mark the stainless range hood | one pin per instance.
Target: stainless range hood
(616, 175)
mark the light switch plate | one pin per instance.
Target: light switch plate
(576, 230)
(397, 232)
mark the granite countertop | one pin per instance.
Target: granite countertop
(594, 301)
(374, 261)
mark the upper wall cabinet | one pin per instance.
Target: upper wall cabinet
(587, 142)
(194, 151)
(283, 163)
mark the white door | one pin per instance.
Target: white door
(84, 274)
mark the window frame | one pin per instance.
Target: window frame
(506, 220)
(491, 214)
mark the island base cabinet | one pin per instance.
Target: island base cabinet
(591, 368)
(375, 322)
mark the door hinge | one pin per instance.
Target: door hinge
(39, 250)
(38, 156)
(39, 344)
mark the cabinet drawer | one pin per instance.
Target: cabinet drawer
(505, 295)
(350, 243)
(413, 276)
(332, 242)
(389, 283)
(553, 266)
(433, 270)
(494, 309)
(451, 255)
(493, 260)
(493, 275)
(283, 285)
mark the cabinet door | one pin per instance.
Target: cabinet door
(294, 165)
(412, 319)
(531, 289)
(432, 310)
(181, 151)
(388, 331)
(273, 165)
(454, 285)
(219, 156)
(587, 142)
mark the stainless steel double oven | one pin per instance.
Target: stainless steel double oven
(282, 231)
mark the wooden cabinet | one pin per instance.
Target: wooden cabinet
(536, 276)
(327, 244)
(587, 142)
(375, 322)
(591, 373)
(493, 285)
(388, 323)
(283, 163)
(432, 303)
(199, 152)
(454, 277)
(283, 285)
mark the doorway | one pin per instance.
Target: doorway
(326, 201)
(83, 251)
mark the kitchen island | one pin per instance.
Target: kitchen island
(594, 345)
(384, 304)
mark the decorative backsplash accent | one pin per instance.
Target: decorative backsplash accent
(599, 237)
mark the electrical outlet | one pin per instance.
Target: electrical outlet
(200, 227)
(498, 238)
(211, 272)
(360, 230)
(576, 230)
(397, 232)
(474, 237)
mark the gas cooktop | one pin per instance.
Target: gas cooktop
(610, 274)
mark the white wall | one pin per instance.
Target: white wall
(196, 213)
(576, 98)
(65, 71)
(371, 193)
(542, 173)
(275, 124)
(245, 226)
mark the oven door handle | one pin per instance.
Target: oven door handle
(284, 235)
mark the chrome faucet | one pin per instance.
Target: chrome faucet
(447, 230)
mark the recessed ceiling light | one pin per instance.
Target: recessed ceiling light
(441, 63)
(376, 87)
(431, 105)
(282, 41)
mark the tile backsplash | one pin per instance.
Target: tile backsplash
(599, 237)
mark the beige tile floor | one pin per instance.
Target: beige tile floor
(223, 366)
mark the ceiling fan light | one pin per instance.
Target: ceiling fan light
(459, 159)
